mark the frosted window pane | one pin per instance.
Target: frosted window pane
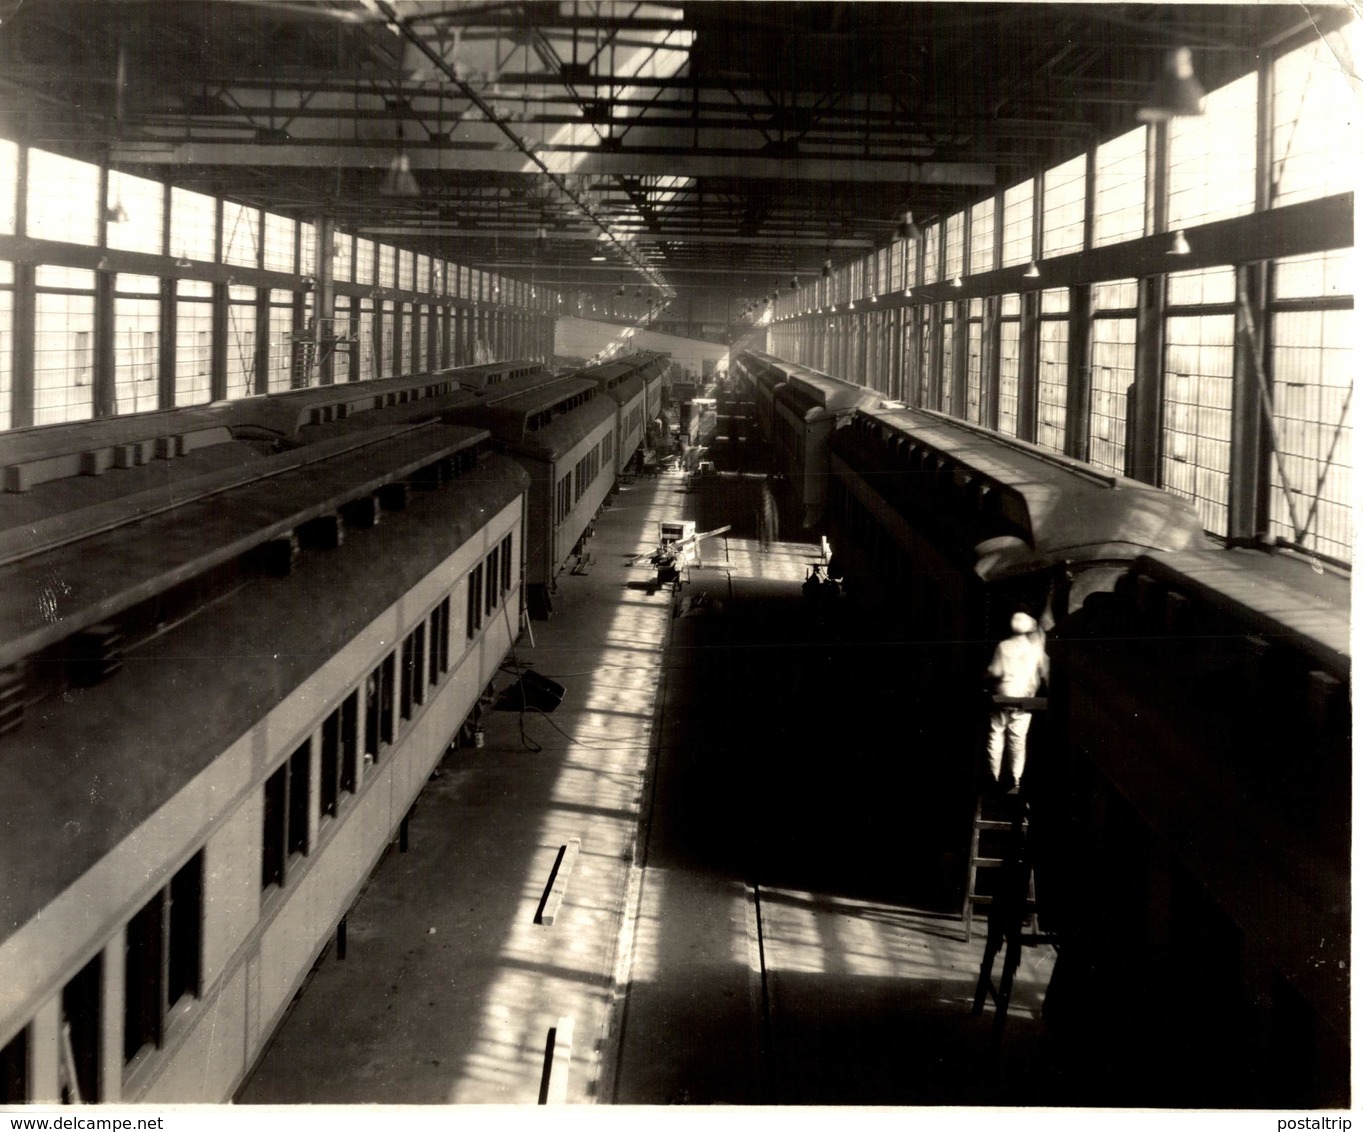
(63, 198)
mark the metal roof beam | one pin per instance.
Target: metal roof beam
(451, 160)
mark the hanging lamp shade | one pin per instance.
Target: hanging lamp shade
(1178, 245)
(827, 268)
(1177, 93)
(1032, 272)
(908, 230)
(399, 181)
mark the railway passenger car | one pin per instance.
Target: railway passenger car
(239, 681)
(763, 375)
(1200, 733)
(805, 411)
(562, 431)
(953, 526)
(36, 455)
(625, 381)
(944, 529)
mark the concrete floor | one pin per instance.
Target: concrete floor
(709, 763)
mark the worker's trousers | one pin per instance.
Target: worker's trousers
(1008, 733)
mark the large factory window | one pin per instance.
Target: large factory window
(974, 361)
(241, 341)
(1017, 224)
(1010, 334)
(137, 325)
(281, 341)
(343, 257)
(1062, 208)
(341, 357)
(1312, 366)
(1212, 157)
(387, 330)
(406, 360)
(162, 958)
(931, 242)
(144, 203)
(1119, 189)
(241, 235)
(954, 264)
(63, 196)
(944, 366)
(1053, 369)
(307, 248)
(193, 225)
(364, 261)
(63, 357)
(1114, 368)
(362, 357)
(279, 243)
(1197, 413)
(9, 185)
(1310, 85)
(982, 236)
(6, 340)
(193, 336)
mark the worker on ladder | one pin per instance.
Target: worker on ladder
(1018, 669)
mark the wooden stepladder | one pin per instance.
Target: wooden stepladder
(1012, 902)
(1000, 822)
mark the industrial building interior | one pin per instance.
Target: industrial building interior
(1129, 205)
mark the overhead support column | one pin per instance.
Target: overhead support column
(1079, 387)
(324, 299)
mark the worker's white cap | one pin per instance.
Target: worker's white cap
(1022, 623)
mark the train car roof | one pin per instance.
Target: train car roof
(441, 401)
(535, 389)
(116, 552)
(525, 417)
(561, 433)
(1277, 593)
(281, 630)
(1071, 509)
(818, 392)
(625, 388)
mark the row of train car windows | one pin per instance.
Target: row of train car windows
(420, 663)
(571, 487)
(489, 583)
(162, 968)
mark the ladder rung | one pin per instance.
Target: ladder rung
(986, 862)
(997, 824)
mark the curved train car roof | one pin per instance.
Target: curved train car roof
(51, 762)
(1067, 509)
(540, 418)
(1279, 594)
(157, 526)
(812, 392)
